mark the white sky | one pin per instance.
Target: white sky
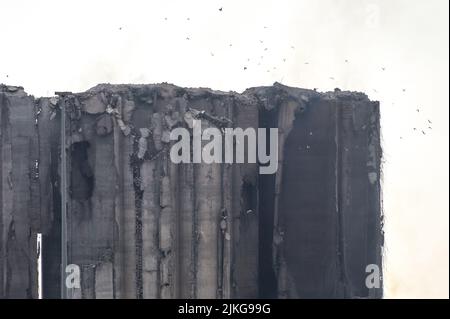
(73, 45)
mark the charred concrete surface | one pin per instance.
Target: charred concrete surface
(140, 226)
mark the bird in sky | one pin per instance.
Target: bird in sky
(220, 9)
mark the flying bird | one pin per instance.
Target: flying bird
(220, 9)
(245, 68)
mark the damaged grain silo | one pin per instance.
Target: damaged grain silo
(139, 225)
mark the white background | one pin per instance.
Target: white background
(73, 45)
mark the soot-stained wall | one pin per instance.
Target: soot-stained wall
(141, 226)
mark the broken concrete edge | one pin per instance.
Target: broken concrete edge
(167, 90)
(120, 102)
